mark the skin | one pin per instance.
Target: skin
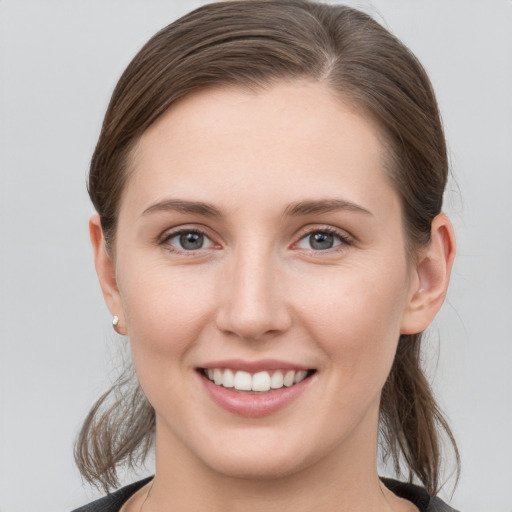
(257, 289)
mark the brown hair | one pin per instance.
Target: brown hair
(253, 44)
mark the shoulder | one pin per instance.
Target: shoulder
(114, 501)
(438, 505)
(417, 495)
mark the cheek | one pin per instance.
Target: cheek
(165, 309)
(355, 317)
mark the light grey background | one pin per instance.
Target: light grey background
(59, 63)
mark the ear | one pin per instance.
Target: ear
(106, 272)
(430, 279)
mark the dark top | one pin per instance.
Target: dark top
(417, 495)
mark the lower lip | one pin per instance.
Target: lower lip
(253, 405)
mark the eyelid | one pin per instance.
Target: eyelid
(345, 238)
(171, 233)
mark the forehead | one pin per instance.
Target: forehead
(302, 108)
(298, 136)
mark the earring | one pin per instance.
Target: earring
(115, 323)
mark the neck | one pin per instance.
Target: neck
(343, 480)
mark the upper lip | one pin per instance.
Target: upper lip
(254, 366)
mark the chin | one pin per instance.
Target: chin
(258, 468)
(262, 455)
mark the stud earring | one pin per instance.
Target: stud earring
(115, 323)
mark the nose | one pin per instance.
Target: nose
(253, 306)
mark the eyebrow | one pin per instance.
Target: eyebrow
(293, 210)
(183, 206)
(323, 206)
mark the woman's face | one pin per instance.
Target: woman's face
(260, 242)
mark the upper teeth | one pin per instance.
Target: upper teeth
(261, 381)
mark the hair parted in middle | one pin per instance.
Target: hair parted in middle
(254, 44)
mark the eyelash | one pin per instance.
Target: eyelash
(342, 237)
(165, 239)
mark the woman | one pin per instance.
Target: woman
(269, 182)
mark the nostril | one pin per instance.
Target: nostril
(255, 323)
(252, 307)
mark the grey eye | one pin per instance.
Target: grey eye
(189, 241)
(321, 241)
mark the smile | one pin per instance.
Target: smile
(261, 381)
(257, 389)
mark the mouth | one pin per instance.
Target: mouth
(255, 383)
(255, 389)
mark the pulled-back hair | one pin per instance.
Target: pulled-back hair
(253, 44)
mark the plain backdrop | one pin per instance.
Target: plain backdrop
(59, 63)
